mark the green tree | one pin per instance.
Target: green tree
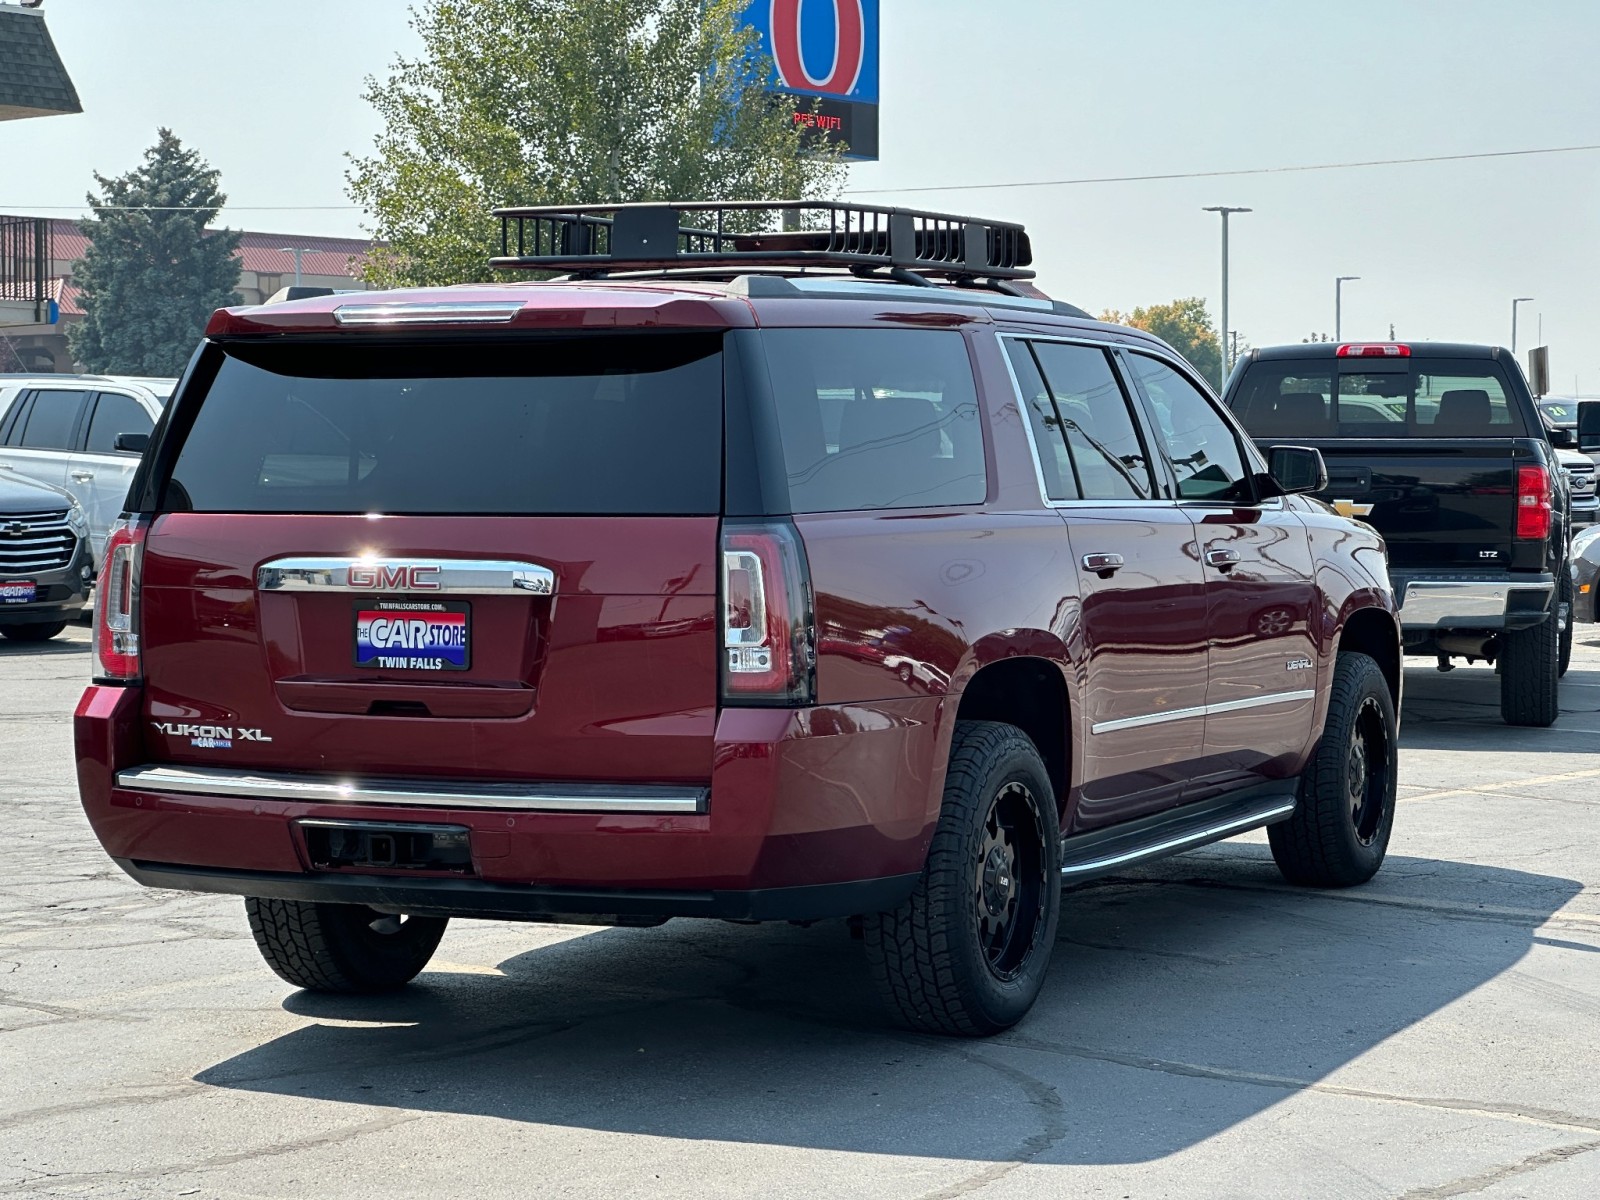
(569, 102)
(153, 275)
(1186, 326)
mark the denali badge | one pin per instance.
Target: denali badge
(210, 737)
(1299, 664)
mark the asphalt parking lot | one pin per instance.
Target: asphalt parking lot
(1205, 1031)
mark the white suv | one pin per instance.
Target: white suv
(84, 433)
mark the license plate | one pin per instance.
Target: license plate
(18, 591)
(413, 635)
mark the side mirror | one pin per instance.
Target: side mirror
(1295, 470)
(1589, 425)
(133, 443)
(1563, 438)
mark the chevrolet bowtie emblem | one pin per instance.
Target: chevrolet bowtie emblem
(15, 529)
(1349, 508)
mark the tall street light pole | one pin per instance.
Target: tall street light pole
(297, 251)
(1338, 304)
(1222, 339)
(1514, 303)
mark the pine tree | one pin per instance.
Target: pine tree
(152, 275)
(569, 102)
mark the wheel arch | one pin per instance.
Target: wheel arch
(1374, 632)
(1031, 692)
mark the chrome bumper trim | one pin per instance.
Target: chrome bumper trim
(1445, 605)
(415, 793)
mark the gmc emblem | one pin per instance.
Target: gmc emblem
(395, 577)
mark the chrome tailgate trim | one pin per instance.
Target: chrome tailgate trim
(415, 793)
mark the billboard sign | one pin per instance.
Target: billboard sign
(825, 54)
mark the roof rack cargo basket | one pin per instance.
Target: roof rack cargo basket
(595, 239)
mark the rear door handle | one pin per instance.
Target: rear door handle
(1105, 565)
(82, 476)
(1223, 560)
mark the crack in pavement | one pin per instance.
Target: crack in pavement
(315, 1141)
(1043, 1098)
(1521, 1113)
(1487, 1179)
(1455, 910)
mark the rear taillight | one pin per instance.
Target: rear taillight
(116, 637)
(768, 634)
(1534, 506)
(1374, 350)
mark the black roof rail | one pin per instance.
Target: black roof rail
(594, 239)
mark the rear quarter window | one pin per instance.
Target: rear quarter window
(876, 418)
(612, 424)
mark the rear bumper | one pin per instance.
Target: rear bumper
(809, 813)
(511, 902)
(1476, 602)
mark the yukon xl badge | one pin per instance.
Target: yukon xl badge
(210, 737)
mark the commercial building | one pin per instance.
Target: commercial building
(33, 83)
(267, 263)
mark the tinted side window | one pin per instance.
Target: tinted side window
(12, 419)
(1107, 453)
(598, 424)
(876, 418)
(115, 414)
(52, 419)
(1201, 445)
(1055, 463)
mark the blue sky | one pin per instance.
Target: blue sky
(999, 91)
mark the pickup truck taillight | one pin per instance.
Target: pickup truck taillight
(1534, 508)
(768, 634)
(116, 635)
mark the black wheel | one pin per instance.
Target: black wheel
(1530, 674)
(1340, 829)
(967, 953)
(342, 947)
(1567, 622)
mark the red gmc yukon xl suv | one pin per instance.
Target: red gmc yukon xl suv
(751, 576)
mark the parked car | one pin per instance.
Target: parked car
(44, 559)
(505, 601)
(1561, 422)
(1586, 575)
(1440, 449)
(83, 433)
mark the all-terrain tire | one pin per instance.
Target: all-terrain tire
(967, 953)
(1565, 600)
(1340, 829)
(335, 947)
(1530, 675)
(40, 632)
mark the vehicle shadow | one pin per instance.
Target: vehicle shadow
(53, 648)
(1184, 999)
(1460, 709)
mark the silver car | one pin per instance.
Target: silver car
(81, 433)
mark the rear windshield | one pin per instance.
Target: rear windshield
(604, 425)
(876, 418)
(1432, 398)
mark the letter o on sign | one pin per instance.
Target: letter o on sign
(849, 47)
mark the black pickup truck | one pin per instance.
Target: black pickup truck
(1440, 448)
